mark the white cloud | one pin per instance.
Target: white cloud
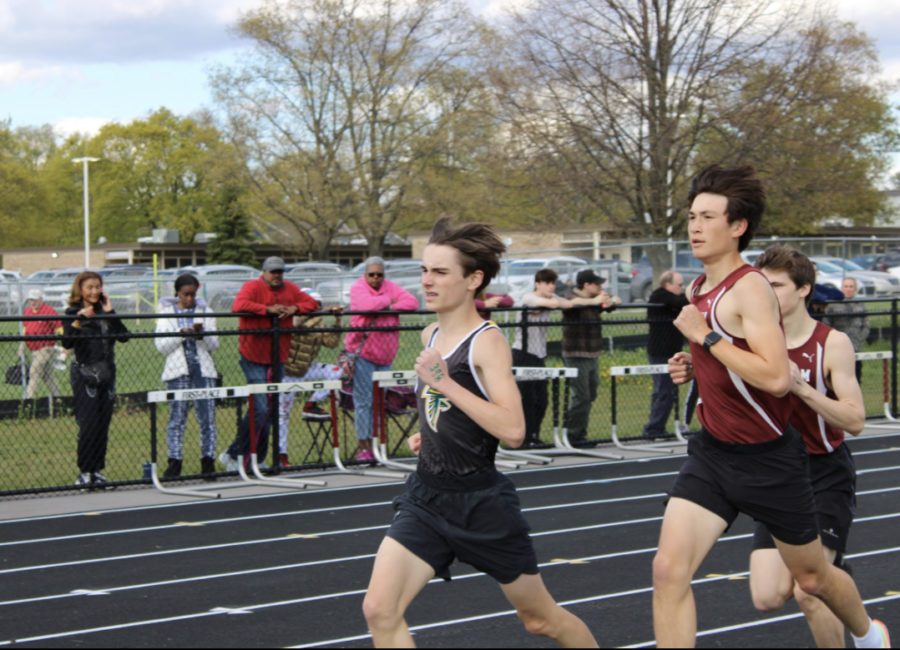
(88, 126)
(17, 72)
(54, 32)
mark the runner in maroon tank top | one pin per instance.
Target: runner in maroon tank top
(828, 401)
(739, 350)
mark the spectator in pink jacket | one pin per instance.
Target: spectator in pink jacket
(374, 349)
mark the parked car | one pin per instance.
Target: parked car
(219, 283)
(516, 277)
(889, 262)
(123, 283)
(642, 284)
(10, 292)
(832, 271)
(55, 284)
(867, 261)
(335, 290)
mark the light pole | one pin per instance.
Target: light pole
(87, 228)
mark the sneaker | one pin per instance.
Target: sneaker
(283, 460)
(883, 631)
(365, 455)
(174, 468)
(98, 480)
(229, 462)
(312, 411)
(83, 480)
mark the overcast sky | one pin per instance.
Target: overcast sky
(77, 64)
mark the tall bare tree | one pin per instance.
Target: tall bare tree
(341, 107)
(618, 93)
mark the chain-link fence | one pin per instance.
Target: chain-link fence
(40, 433)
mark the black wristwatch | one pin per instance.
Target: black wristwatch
(711, 339)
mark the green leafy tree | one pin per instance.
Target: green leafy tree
(815, 123)
(154, 173)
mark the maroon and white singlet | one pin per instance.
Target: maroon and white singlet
(730, 409)
(819, 436)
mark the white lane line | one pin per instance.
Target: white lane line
(307, 599)
(580, 601)
(209, 547)
(327, 490)
(293, 513)
(766, 621)
(297, 513)
(261, 606)
(332, 533)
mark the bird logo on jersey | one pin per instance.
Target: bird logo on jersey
(435, 404)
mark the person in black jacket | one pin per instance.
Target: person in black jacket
(93, 374)
(665, 340)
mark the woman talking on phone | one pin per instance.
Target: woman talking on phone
(92, 335)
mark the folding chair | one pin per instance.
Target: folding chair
(319, 429)
(345, 405)
(400, 409)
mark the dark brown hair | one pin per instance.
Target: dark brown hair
(744, 191)
(477, 244)
(75, 295)
(798, 266)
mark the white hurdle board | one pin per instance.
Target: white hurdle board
(658, 447)
(227, 392)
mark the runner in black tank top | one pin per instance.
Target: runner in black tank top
(456, 505)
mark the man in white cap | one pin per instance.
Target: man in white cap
(42, 351)
(301, 366)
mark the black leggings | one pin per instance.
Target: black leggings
(534, 394)
(93, 411)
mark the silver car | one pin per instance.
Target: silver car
(885, 284)
(832, 275)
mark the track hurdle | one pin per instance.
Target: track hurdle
(561, 445)
(622, 371)
(274, 389)
(159, 396)
(884, 356)
(382, 379)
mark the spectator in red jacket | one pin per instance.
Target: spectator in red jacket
(42, 352)
(267, 296)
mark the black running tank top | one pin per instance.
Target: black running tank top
(452, 443)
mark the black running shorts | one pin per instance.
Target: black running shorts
(483, 527)
(767, 481)
(834, 484)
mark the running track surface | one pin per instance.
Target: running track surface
(290, 569)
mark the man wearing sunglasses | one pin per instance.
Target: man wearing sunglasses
(373, 349)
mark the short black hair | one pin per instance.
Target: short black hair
(744, 191)
(186, 279)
